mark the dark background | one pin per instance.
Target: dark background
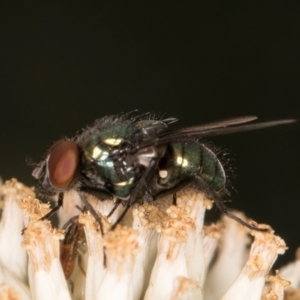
(62, 66)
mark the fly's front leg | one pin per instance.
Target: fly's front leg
(116, 205)
(139, 190)
(90, 208)
(60, 203)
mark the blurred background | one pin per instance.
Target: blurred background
(64, 65)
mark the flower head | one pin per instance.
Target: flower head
(162, 251)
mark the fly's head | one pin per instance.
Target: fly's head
(58, 171)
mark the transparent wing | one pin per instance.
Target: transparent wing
(202, 131)
(223, 127)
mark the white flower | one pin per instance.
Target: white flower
(162, 252)
(292, 273)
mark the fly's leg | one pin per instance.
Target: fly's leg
(139, 189)
(174, 200)
(120, 218)
(141, 186)
(71, 220)
(100, 194)
(60, 202)
(90, 208)
(116, 205)
(221, 206)
(173, 190)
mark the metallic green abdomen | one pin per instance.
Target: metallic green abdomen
(187, 159)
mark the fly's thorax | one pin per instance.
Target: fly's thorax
(106, 163)
(110, 133)
(108, 175)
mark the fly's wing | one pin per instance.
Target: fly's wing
(201, 129)
(223, 127)
(223, 123)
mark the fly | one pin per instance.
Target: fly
(137, 159)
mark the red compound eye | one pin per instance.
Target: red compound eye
(63, 163)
